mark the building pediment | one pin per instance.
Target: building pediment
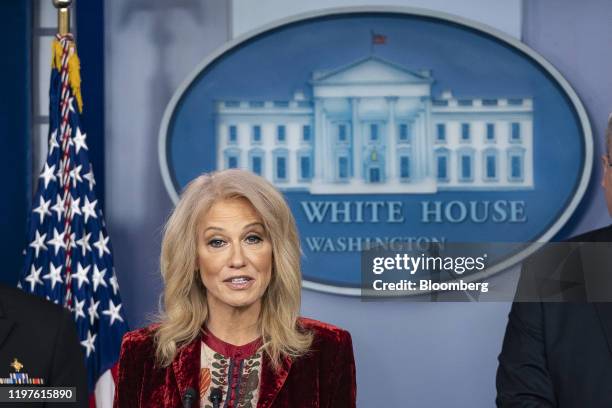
(373, 70)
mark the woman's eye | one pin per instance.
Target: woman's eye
(253, 239)
(216, 243)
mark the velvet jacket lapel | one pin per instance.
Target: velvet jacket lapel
(186, 367)
(604, 311)
(272, 381)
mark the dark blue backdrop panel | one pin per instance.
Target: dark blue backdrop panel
(15, 136)
(90, 37)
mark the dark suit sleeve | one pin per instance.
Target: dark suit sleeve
(130, 373)
(523, 379)
(68, 363)
(345, 393)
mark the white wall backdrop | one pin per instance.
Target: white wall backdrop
(504, 15)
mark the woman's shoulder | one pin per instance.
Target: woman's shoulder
(325, 333)
(331, 349)
(140, 339)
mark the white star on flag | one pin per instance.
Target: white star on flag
(81, 274)
(75, 175)
(53, 142)
(114, 283)
(58, 207)
(71, 104)
(101, 245)
(54, 275)
(84, 243)
(39, 243)
(34, 277)
(90, 178)
(98, 277)
(78, 308)
(113, 312)
(89, 209)
(60, 170)
(58, 240)
(75, 206)
(47, 174)
(43, 208)
(79, 140)
(89, 343)
(93, 312)
(71, 242)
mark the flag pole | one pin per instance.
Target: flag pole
(63, 15)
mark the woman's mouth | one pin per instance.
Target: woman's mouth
(239, 282)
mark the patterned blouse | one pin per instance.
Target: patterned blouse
(236, 370)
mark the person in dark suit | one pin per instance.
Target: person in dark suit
(559, 354)
(38, 338)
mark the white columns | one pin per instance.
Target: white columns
(428, 161)
(356, 141)
(391, 162)
(319, 140)
(422, 148)
(329, 165)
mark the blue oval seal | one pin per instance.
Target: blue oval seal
(383, 126)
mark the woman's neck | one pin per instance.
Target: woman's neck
(234, 325)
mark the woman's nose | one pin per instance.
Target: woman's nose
(237, 259)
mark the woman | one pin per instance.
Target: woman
(230, 335)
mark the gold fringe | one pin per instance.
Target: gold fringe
(74, 75)
(74, 69)
(56, 52)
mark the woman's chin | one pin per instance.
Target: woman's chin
(240, 300)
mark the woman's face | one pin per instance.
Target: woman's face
(234, 255)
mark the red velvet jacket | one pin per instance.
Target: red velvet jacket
(325, 377)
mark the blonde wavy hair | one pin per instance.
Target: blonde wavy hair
(184, 305)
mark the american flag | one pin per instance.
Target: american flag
(68, 258)
(378, 39)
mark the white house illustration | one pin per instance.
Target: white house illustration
(374, 127)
